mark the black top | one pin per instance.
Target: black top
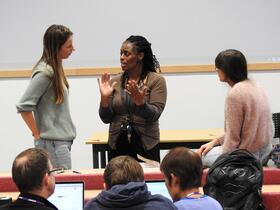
(26, 201)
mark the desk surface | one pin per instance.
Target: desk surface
(89, 171)
(168, 136)
(93, 193)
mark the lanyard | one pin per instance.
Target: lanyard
(30, 200)
(188, 197)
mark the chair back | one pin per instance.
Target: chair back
(276, 122)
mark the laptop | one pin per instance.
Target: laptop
(158, 187)
(68, 195)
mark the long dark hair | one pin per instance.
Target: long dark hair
(54, 37)
(150, 63)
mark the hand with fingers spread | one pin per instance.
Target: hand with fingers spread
(136, 91)
(106, 88)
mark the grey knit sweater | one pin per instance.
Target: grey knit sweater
(53, 120)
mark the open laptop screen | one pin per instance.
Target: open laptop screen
(68, 196)
(158, 187)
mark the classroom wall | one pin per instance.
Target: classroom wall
(195, 101)
(181, 32)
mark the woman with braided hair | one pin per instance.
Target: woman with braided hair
(133, 101)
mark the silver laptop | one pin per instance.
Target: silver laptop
(68, 196)
(158, 187)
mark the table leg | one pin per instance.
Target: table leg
(95, 157)
(103, 158)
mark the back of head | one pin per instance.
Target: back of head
(185, 164)
(141, 45)
(122, 170)
(29, 168)
(233, 63)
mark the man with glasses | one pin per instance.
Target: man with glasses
(34, 176)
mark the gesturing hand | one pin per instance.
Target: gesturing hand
(136, 91)
(105, 88)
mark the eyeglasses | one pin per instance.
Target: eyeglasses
(56, 171)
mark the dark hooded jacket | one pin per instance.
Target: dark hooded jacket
(133, 195)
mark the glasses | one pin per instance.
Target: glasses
(56, 171)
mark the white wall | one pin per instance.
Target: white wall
(181, 32)
(195, 101)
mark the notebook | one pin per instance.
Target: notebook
(158, 187)
(68, 196)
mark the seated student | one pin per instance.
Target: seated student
(125, 188)
(33, 175)
(248, 119)
(182, 169)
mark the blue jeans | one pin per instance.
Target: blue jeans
(59, 152)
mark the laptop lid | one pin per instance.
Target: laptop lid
(158, 187)
(68, 195)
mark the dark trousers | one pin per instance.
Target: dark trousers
(132, 148)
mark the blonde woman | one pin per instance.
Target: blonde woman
(45, 105)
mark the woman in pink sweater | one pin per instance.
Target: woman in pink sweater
(248, 119)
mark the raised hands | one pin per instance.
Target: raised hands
(106, 88)
(136, 91)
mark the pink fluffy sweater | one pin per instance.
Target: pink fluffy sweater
(248, 119)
